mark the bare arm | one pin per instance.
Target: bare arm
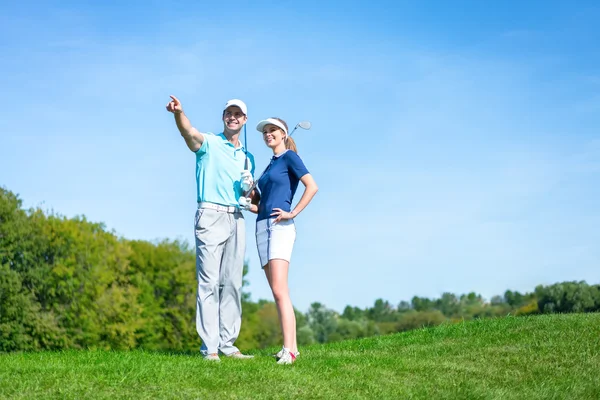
(193, 138)
(310, 190)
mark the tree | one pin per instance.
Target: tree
(514, 299)
(164, 274)
(567, 297)
(353, 313)
(22, 325)
(382, 311)
(268, 329)
(448, 305)
(322, 321)
(404, 306)
(305, 335)
(421, 304)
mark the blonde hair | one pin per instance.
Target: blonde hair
(290, 144)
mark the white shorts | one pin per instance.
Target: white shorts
(275, 241)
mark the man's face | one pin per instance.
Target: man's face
(234, 118)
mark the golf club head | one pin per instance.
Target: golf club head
(304, 125)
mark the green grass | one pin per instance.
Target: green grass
(542, 357)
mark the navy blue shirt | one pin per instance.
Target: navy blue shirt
(278, 184)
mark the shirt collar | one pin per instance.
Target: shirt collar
(224, 138)
(280, 154)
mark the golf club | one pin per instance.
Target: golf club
(246, 148)
(306, 125)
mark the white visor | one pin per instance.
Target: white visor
(270, 121)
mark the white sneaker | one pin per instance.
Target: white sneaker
(212, 357)
(287, 357)
(239, 355)
(279, 354)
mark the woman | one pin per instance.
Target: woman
(275, 229)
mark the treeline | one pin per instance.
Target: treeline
(563, 297)
(69, 283)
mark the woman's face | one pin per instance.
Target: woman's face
(273, 135)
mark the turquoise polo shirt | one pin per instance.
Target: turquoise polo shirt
(219, 166)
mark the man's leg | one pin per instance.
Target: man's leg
(212, 231)
(231, 284)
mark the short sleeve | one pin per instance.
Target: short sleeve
(295, 165)
(208, 137)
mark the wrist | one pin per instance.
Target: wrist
(293, 213)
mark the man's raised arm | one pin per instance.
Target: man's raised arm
(193, 138)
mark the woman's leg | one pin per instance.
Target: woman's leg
(278, 271)
(268, 274)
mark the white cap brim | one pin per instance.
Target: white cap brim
(237, 103)
(270, 121)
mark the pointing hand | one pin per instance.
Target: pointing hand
(174, 105)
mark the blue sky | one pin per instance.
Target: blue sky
(456, 146)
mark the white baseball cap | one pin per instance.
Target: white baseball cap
(239, 103)
(270, 121)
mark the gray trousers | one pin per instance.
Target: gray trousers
(220, 250)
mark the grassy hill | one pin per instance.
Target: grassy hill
(541, 357)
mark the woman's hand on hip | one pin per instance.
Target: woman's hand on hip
(281, 215)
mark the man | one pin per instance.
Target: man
(220, 227)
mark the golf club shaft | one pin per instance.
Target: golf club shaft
(245, 148)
